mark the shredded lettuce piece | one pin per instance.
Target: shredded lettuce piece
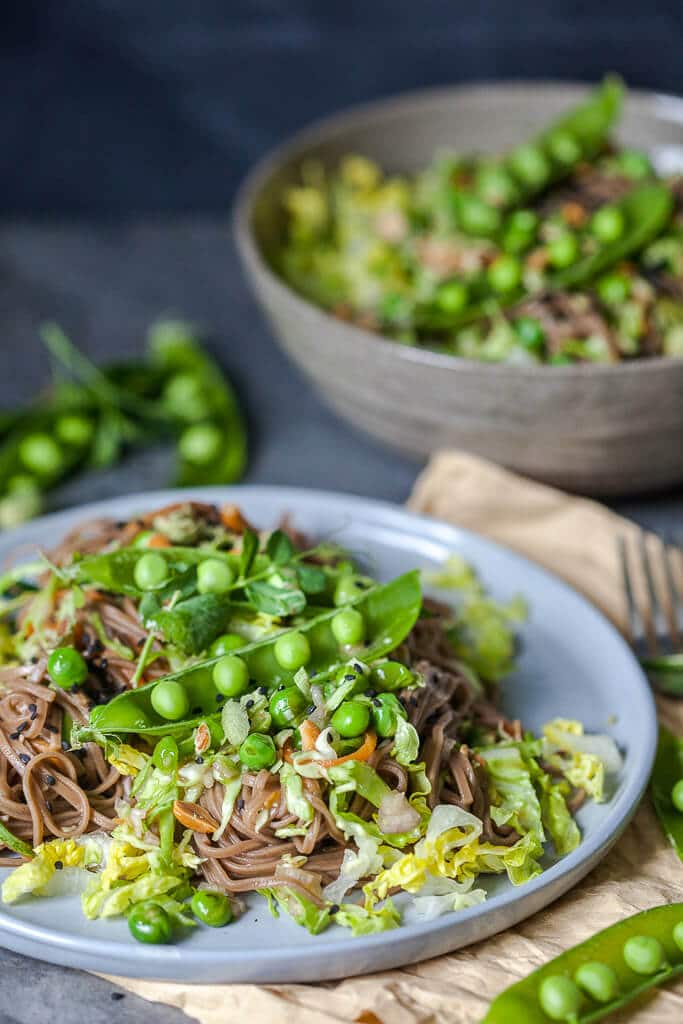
(231, 790)
(126, 759)
(294, 794)
(367, 922)
(513, 797)
(364, 863)
(482, 633)
(440, 895)
(406, 742)
(32, 877)
(303, 911)
(583, 759)
(235, 722)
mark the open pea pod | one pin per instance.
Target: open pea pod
(529, 999)
(666, 773)
(646, 210)
(389, 612)
(115, 570)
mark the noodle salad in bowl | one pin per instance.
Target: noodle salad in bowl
(193, 710)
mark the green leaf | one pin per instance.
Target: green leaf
(193, 624)
(279, 548)
(311, 579)
(276, 600)
(248, 553)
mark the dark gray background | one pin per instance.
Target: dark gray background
(126, 126)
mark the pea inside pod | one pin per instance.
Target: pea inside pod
(590, 981)
(389, 612)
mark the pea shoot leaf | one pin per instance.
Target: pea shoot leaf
(279, 548)
(276, 600)
(248, 553)
(311, 578)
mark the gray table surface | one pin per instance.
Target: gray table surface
(104, 283)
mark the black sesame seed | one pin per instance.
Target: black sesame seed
(34, 659)
(334, 909)
(65, 745)
(312, 675)
(118, 996)
(51, 728)
(50, 779)
(361, 584)
(32, 708)
(310, 709)
(377, 702)
(22, 727)
(220, 697)
(14, 735)
(199, 760)
(104, 664)
(119, 524)
(196, 711)
(349, 678)
(357, 667)
(48, 804)
(58, 865)
(263, 690)
(34, 715)
(240, 804)
(24, 758)
(249, 703)
(371, 693)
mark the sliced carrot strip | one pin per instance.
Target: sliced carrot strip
(309, 734)
(362, 754)
(158, 540)
(194, 817)
(232, 519)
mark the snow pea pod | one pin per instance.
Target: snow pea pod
(389, 612)
(115, 570)
(13, 842)
(565, 989)
(668, 770)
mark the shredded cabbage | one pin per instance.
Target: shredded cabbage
(33, 876)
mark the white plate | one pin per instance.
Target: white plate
(572, 664)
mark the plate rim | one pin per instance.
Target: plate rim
(553, 882)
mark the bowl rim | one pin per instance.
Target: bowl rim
(327, 127)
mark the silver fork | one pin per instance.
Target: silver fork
(656, 622)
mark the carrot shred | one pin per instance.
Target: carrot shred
(158, 540)
(232, 519)
(365, 751)
(309, 734)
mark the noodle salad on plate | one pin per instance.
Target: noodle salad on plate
(193, 710)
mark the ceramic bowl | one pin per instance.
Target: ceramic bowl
(603, 430)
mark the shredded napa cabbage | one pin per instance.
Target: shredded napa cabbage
(32, 877)
(583, 759)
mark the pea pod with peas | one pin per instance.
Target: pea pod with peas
(176, 703)
(599, 976)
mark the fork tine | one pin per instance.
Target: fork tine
(636, 623)
(660, 630)
(674, 594)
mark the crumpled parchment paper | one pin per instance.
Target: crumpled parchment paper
(576, 539)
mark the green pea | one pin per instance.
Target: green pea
(530, 165)
(231, 676)
(150, 571)
(451, 297)
(564, 148)
(496, 186)
(148, 922)
(351, 718)
(349, 587)
(677, 796)
(563, 250)
(391, 675)
(67, 667)
(165, 754)
(292, 650)
(476, 218)
(225, 644)
(41, 454)
(644, 954)
(530, 333)
(598, 981)
(505, 273)
(559, 997)
(73, 429)
(677, 935)
(608, 224)
(524, 221)
(214, 576)
(633, 164)
(201, 444)
(287, 706)
(559, 359)
(212, 908)
(258, 751)
(613, 289)
(348, 627)
(185, 396)
(386, 710)
(170, 700)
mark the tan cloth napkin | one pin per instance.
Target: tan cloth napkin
(576, 539)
